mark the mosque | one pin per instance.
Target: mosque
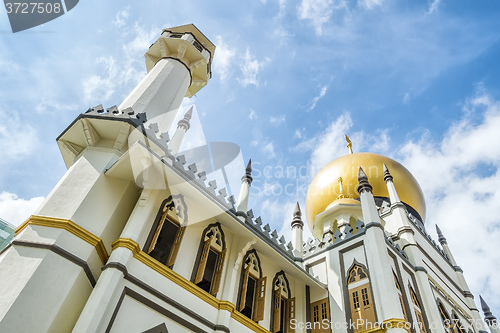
(135, 239)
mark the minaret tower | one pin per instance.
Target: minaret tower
(52, 266)
(180, 58)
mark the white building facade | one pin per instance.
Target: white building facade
(132, 239)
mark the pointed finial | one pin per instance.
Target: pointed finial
(247, 177)
(441, 237)
(297, 217)
(341, 189)
(184, 122)
(489, 318)
(387, 174)
(364, 185)
(349, 143)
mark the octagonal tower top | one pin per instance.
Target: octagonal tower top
(189, 45)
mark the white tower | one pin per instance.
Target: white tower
(55, 260)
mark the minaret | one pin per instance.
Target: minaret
(179, 65)
(444, 244)
(246, 181)
(182, 127)
(393, 194)
(297, 229)
(55, 260)
(489, 318)
(370, 212)
(469, 297)
(385, 292)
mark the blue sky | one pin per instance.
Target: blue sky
(418, 81)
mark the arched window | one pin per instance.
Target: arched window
(360, 297)
(211, 259)
(456, 325)
(400, 295)
(252, 287)
(444, 317)
(283, 305)
(165, 238)
(418, 310)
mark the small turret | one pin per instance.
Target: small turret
(297, 230)
(489, 318)
(246, 181)
(182, 127)
(393, 194)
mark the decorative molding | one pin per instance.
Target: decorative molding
(185, 284)
(70, 226)
(62, 253)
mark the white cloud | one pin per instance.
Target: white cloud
(277, 120)
(252, 115)
(121, 17)
(406, 98)
(18, 139)
(250, 69)
(317, 98)
(49, 105)
(460, 178)
(433, 7)
(269, 149)
(319, 12)
(122, 70)
(298, 134)
(331, 143)
(16, 210)
(223, 58)
(369, 4)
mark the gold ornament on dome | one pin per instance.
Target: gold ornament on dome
(326, 187)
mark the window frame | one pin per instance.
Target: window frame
(283, 291)
(258, 304)
(356, 284)
(202, 257)
(172, 210)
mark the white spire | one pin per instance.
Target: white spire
(246, 181)
(182, 127)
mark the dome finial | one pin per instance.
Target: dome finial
(341, 189)
(349, 143)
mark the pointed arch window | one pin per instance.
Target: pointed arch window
(283, 307)
(165, 238)
(252, 288)
(400, 295)
(211, 256)
(360, 297)
(417, 309)
(456, 325)
(444, 317)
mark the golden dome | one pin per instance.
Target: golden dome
(324, 188)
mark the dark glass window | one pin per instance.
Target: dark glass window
(206, 283)
(165, 241)
(250, 296)
(282, 319)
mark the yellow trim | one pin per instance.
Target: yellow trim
(71, 227)
(449, 298)
(389, 322)
(186, 284)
